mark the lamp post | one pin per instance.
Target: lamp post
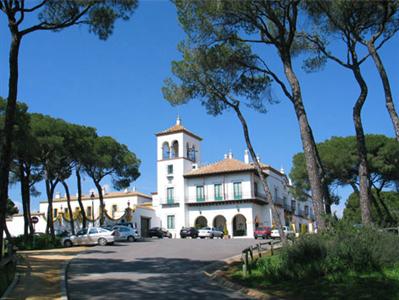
(92, 206)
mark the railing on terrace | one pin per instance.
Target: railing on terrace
(223, 197)
(278, 201)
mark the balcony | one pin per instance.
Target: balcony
(278, 201)
(165, 203)
(192, 199)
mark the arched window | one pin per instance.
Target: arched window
(191, 153)
(201, 222)
(187, 150)
(165, 151)
(175, 150)
(239, 225)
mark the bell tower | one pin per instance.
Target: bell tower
(178, 152)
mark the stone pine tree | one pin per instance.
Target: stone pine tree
(106, 157)
(24, 18)
(340, 161)
(384, 17)
(222, 77)
(342, 19)
(265, 26)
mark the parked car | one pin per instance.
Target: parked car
(263, 232)
(287, 231)
(126, 233)
(210, 232)
(91, 236)
(159, 232)
(189, 232)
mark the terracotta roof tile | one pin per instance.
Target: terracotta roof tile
(227, 165)
(176, 129)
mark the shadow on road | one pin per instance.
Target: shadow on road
(144, 278)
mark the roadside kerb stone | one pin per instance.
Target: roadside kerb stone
(217, 271)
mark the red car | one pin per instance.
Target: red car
(263, 232)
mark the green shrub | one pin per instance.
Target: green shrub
(342, 250)
(40, 241)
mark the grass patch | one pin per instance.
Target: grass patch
(375, 285)
(344, 263)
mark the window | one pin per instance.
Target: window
(174, 153)
(114, 209)
(169, 195)
(256, 189)
(165, 151)
(293, 205)
(55, 211)
(237, 190)
(88, 209)
(93, 231)
(218, 191)
(200, 193)
(306, 210)
(171, 222)
(170, 169)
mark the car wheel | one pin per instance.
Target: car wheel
(256, 237)
(170, 236)
(211, 236)
(130, 238)
(263, 237)
(68, 243)
(222, 236)
(102, 241)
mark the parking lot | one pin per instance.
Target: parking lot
(152, 269)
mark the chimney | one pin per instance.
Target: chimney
(104, 190)
(225, 156)
(230, 155)
(258, 158)
(246, 156)
(282, 170)
(57, 195)
(134, 188)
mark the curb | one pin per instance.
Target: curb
(63, 281)
(218, 276)
(11, 286)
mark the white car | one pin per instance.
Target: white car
(126, 233)
(90, 236)
(287, 231)
(210, 232)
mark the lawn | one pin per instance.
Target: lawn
(376, 285)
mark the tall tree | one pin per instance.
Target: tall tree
(340, 161)
(55, 15)
(383, 17)
(342, 19)
(219, 77)
(106, 157)
(268, 24)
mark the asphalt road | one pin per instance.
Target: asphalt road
(152, 269)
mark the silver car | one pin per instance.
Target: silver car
(126, 233)
(210, 232)
(90, 236)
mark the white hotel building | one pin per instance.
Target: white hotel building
(226, 194)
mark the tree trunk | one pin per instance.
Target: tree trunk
(269, 198)
(364, 181)
(6, 146)
(25, 199)
(50, 186)
(387, 88)
(313, 163)
(68, 196)
(82, 209)
(102, 205)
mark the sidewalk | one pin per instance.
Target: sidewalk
(41, 272)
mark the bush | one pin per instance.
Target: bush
(39, 241)
(342, 250)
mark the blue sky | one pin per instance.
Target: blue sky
(115, 86)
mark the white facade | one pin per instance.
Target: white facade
(227, 194)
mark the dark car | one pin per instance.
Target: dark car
(189, 232)
(159, 232)
(263, 232)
